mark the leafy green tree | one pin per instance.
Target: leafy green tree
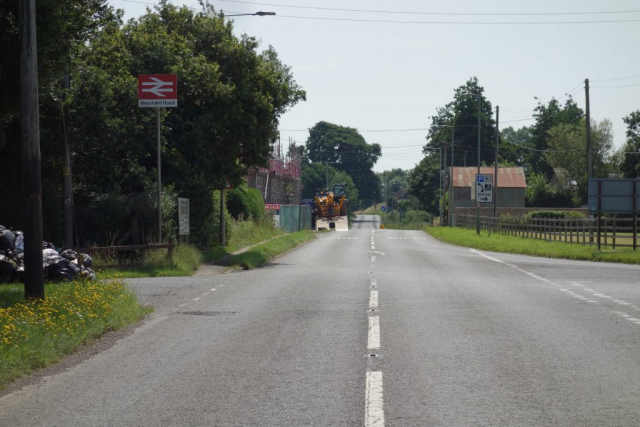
(511, 149)
(424, 183)
(547, 117)
(346, 150)
(566, 143)
(462, 113)
(231, 97)
(540, 194)
(630, 166)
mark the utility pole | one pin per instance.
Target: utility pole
(495, 183)
(445, 186)
(478, 204)
(30, 134)
(66, 172)
(451, 201)
(441, 191)
(223, 241)
(589, 159)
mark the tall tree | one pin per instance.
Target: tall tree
(462, 113)
(346, 150)
(548, 116)
(630, 166)
(566, 144)
(424, 183)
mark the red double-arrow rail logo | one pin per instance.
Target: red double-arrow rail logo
(157, 90)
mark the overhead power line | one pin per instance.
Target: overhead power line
(391, 21)
(613, 87)
(611, 80)
(398, 12)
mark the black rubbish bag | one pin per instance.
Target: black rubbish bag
(7, 240)
(8, 270)
(62, 270)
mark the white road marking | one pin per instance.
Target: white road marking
(182, 305)
(213, 289)
(486, 256)
(373, 247)
(373, 282)
(376, 252)
(374, 333)
(196, 299)
(373, 300)
(374, 410)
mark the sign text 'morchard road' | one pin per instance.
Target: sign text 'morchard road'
(154, 103)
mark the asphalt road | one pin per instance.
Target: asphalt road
(458, 338)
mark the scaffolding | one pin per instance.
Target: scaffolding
(280, 182)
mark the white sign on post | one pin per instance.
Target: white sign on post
(183, 216)
(484, 188)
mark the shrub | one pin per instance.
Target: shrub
(555, 215)
(245, 201)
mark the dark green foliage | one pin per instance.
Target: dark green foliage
(346, 150)
(230, 99)
(462, 113)
(540, 194)
(630, 166)
(246, 202)
(547, 117)
(556, 214)
(424, 183)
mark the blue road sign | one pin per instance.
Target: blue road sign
(384, 208)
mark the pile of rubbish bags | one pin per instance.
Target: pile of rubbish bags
(57, 266)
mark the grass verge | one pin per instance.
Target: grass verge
(243, 234)
(186, 259)
(525, 246)
(35, 334)
(265, 252)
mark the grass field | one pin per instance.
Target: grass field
(528, 246)
(37, 333)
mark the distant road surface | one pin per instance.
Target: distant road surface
(366, 327)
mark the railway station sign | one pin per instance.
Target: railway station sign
(157, 90)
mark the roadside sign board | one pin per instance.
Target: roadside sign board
(616, 195)
(157, 90)
(384, 208)
(272, 206)
(484, 188)
(183, 216)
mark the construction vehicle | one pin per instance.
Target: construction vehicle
(330, 210)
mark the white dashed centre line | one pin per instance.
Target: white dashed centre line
(374, 411)
(374, 333)
(373, 300)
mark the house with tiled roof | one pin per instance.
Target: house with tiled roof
(509, 190)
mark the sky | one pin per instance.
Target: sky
(387, 78)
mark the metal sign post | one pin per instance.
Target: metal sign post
(158, 91)
(183, 217)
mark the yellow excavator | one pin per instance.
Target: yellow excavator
(330, 209)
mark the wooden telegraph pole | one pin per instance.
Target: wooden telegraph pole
(30, 133)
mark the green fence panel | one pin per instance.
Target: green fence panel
(295, 217)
